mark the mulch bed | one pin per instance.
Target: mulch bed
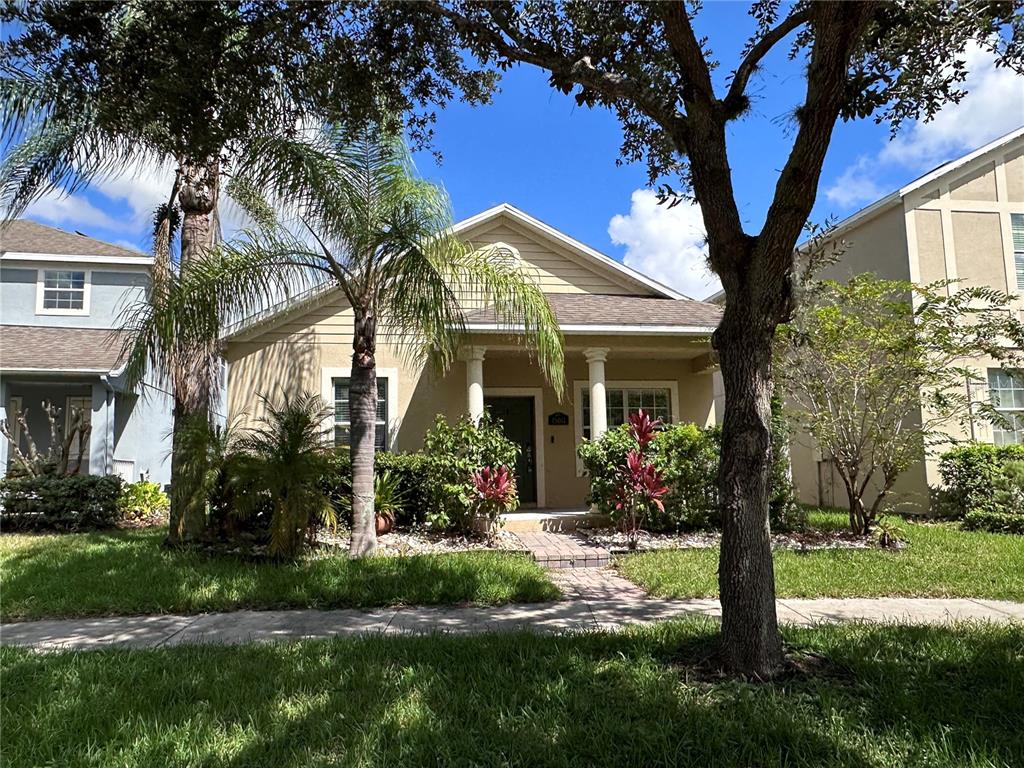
(800, 541)
(420, 540)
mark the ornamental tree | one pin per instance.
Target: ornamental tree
(879, 373)
(645, 62)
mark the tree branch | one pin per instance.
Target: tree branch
(511, 43)
(735, 100)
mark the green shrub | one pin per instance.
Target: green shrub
(410, 471)
(994, 522)
(455, 452)
(687, 456)
(970, 473)
(69, 503)
(601, 459)
(142, 500)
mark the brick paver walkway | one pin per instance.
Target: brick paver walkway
(560, 550)
(596, 584)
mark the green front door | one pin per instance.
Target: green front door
(516, 416)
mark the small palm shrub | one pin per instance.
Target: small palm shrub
(387, 500)
(282, 462)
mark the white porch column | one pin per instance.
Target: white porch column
(596, 357)
(474, 357)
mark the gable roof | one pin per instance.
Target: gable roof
(23, 238)
(582, 251)
(594, 313)
(318, 295)
(893, 198)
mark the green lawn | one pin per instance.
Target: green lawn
(939, 561)
(127, 572)
(898, 696)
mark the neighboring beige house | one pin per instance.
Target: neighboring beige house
(629, 343)
(963, 221)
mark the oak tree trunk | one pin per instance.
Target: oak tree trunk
(750, 640)
(362, 403)
(197, 196)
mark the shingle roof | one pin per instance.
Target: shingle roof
(24, 236)
(574, 309)
(37, 348)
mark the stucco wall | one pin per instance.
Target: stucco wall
(959, 227)
(111, 291)
(879, 245)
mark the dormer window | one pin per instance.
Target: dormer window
(63, 292)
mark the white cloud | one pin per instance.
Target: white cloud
(993, 106)
(667, 244)
(122, 205)
(72, 212)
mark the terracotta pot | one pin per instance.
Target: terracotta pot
(384, 524)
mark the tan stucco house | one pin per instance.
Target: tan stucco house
(630, 342)
(962, 221)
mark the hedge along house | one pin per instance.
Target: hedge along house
(630, 343)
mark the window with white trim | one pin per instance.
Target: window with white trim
(63, 291)
(1007, 391)
(342, 417)
(622, 402)
(1017, 225)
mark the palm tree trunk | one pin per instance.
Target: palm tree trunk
(197, 196)
(362, 396)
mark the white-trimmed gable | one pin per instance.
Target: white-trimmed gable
(564, 264)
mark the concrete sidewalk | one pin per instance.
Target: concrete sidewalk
(584, 609)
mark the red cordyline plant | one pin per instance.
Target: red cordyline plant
(641, 486)
(494, 493)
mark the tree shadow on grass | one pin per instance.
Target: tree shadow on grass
(909, 696)
(130, 573)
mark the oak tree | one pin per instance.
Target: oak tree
(891, 61)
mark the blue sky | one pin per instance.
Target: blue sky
(534, 148)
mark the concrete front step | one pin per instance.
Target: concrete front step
(552, 520)
(559, 550)
(572, 561)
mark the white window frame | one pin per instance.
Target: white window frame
(41, 290)
(581, 385)
(1004, 410)
(327, 377)
(1015, 253)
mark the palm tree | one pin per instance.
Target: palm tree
(357, 219)
(284, 458)
(80, 102)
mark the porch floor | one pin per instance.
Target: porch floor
(551, 520)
